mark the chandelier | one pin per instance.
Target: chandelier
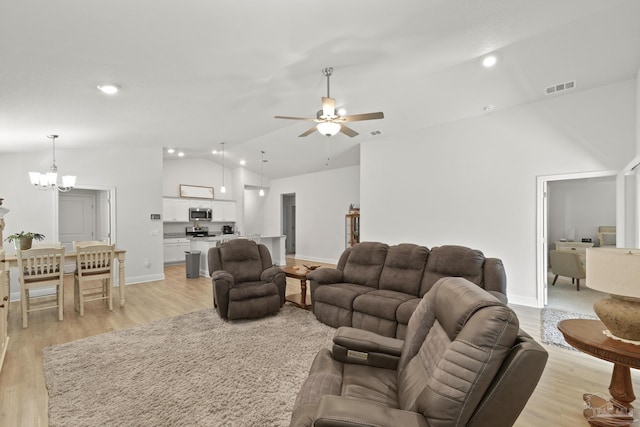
(49, 180)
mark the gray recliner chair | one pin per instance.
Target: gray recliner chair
(245, 282)
(464, 362)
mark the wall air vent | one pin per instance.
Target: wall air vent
(375, 132)
(560, 87)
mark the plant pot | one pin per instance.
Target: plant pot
(23, 244)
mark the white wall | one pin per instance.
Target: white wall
(135, 173)
(322, 200)
(196, 172)
(473, 182)
(578, 206)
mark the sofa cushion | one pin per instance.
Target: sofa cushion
(403, 268)
(365, 263)
(370, 383)
(406, 309)
(340, 294)
(249, 290)
(452, 261)
(382, 303)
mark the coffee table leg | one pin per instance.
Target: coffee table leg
(621, 387)
(303, 297)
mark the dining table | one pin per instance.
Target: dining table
(69, 257)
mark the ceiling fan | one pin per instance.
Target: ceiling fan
(329, 121)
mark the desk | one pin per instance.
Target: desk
(69, 257)
(300, 273)
(586, 335)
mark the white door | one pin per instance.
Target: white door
(77, 218)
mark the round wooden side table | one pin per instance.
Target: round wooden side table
(587, 336)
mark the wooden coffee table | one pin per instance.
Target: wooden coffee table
(298, 272)
(586, 335)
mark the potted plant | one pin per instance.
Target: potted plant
(24, 239)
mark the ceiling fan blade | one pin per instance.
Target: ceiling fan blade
(348, 131)
(328, 107)
(366, 116)
(295, 118)
(307, 133)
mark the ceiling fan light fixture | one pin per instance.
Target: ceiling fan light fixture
(328, 128)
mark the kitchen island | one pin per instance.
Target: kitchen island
(275, 244)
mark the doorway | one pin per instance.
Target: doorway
(564, 228)
(289, 222)
(85, 214)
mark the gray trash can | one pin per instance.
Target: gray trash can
(193, 264)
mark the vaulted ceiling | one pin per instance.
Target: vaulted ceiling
(195, 73)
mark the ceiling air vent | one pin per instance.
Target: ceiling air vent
(375, 132)
(560, 87)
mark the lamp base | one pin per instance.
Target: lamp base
(621, 315)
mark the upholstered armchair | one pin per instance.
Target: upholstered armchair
(245, 282)
(464, 362)
(568, 264)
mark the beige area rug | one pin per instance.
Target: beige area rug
(549, 318)
(190, 370)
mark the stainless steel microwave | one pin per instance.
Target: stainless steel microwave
(199, 214)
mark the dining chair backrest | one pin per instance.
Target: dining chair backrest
(88, 243)
(94, 259)
(41, 264)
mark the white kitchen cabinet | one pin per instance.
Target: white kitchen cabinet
(229, 211)
(224, 211)
(174, 249)
(175, 210)
(200, 203)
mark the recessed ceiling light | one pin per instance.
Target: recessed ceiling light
(489, 61)
(489, 108)
(243, 162)
(181, 154)
(171, 151)
(109, 89)
(214, 151)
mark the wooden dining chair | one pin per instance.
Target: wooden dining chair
(93, 277)
(41, 267)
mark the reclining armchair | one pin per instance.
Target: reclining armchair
(245, 282)
(464, 362)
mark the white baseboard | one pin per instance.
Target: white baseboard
(315, 259)
(526, 301)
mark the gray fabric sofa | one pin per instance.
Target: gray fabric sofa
(376, 287)
(464, 362)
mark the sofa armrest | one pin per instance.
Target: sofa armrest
(219, 275)
(336, 411)
(362, 347)
(324, 276)
(270, 273)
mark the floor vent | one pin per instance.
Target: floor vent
(560, 87)
(375, 132)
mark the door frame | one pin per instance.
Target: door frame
(542, 221)
(112, 210)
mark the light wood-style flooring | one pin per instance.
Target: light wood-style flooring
(557, 400)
